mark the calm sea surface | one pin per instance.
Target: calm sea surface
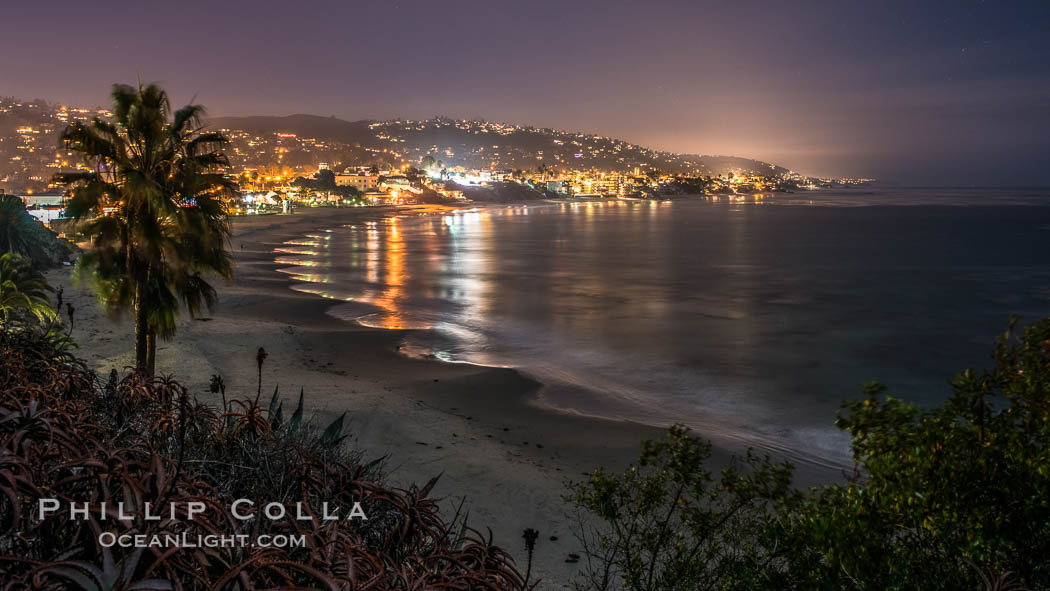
(750, 320)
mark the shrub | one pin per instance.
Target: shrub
(946, 497)
(668, 523)
(23, 235)
(951, 497)
(65, 434)
(23, 294)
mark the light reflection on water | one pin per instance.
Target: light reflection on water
(744, 318)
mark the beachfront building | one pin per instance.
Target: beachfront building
(376, 196)
(501, 176)
(362, 182)
(447, 192)
(559, 187)
(399, 189)
(602, 184)
(398, 183)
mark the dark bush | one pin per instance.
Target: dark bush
(951, 497)
(67, 435)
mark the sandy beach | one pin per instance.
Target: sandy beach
(476, 426)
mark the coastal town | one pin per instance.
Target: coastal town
(398, 162)
(525, 296)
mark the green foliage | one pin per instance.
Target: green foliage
(17, 227)
(943, 494)
(152, 207)
(348, 192)
(297, 416)
(21, 234)
(325, 180)
(23, 293)
(333, 433)
(667, 523)
(951, 497)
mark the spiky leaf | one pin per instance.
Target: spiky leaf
(333, 432)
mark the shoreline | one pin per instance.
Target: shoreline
(475, 425)
(710, 425)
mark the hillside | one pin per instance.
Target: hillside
(31, 154)
(313, 126)
(484, 145)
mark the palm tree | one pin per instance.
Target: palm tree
(19, 232)
(22, 290)
(152, 207)
(545, 170)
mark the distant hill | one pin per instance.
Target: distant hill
(484, 145)
(315, 126)
(31, 153)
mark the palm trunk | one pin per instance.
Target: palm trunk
(141, 324)
(151, 352)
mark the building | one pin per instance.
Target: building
(451, 193)
(376, 197)
(46, 207)
(362, 182)
(398, 183)
(559, 187)
(49, 198)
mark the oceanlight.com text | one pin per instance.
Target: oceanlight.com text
(186, 540)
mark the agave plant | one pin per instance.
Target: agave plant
(995, 581)
(150, 441)
(250, 420)
(110, 575)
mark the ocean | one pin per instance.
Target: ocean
(749, 318)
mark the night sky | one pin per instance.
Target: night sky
(918, 92)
